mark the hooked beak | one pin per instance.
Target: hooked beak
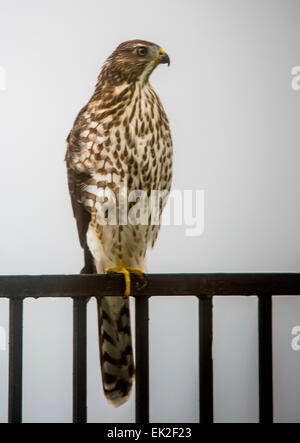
(163, 57)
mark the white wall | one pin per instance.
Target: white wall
(235, 122)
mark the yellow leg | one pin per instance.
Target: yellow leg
(126, 270)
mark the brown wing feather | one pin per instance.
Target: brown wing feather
(76, 182)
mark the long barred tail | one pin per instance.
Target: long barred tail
(116, 352)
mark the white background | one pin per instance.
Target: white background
(235, 124)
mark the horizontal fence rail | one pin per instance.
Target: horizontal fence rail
(204, 286)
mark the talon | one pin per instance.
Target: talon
(126, 270)
(144, 283)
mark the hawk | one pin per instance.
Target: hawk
(121, 137)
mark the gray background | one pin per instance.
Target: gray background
(235, 121)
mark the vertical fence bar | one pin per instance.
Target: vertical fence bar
(79, 361)
(142, 359)
(205, 359)
(265, 358)
(15, 361)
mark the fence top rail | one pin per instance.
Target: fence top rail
(158, 285)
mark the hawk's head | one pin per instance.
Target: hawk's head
(134, 60)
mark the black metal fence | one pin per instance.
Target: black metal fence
(203, 286)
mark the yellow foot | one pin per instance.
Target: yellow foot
(126, 271)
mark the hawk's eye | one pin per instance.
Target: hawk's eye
(142, 51)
